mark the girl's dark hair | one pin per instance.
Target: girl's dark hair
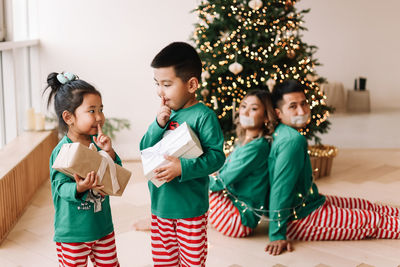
(67, 96)
(265, 99)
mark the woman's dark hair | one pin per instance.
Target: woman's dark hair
(265, 99)
(67, 96)
(182, 57)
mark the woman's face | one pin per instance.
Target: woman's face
(252, 107)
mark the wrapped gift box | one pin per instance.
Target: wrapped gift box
(181, 142)
(77, 158)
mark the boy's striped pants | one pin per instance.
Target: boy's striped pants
(342, 218)
(101, 252)
(179, 242)
(225, 217)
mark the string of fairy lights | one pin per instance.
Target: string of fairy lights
(260, 212)
(225, 90)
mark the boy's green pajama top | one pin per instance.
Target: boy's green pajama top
(75, 219)
(292, 190)
(186, 196)
(245, 176)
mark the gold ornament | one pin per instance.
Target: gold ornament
(271, 83)
(205, 92)
(291, 54)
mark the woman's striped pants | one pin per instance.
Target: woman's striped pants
(342, 218)
(179, 242)
(225, 217)
(101, 252)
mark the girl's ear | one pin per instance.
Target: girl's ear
(193, 85)
(68, 117)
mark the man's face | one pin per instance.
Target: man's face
(293, 106)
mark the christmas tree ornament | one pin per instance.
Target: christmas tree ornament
(205, 75)
(255, 4)
(291, 54)
(312, 77)
(205, 92)
(235, 68)
(224, 36)
(271, 83)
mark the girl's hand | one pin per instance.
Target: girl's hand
(170, 170)
(104, 142)
(278, 246)
(163, 113)
(83, 184)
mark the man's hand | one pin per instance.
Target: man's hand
(163, 113)
(83, 184)
(170, 170)
(278, 246)
(104, 142)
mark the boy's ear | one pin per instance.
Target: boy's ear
(193, 84)
(68, 117)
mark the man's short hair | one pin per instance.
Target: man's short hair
(286, 87)
(182, 57)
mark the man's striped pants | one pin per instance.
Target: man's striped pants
(341, 218)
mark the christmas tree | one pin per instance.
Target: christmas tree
(254, 44)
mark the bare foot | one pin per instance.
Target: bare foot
(142, 224)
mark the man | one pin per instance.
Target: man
(296, 209)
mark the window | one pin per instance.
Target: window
(2, 25)
(19, 66)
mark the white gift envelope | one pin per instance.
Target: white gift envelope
(181, 142)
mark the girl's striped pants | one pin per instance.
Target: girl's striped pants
(101, 252)
(343, 218)
(179, 242)
(225, 217)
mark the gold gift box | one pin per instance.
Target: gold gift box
(77, 158)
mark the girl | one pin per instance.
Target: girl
(239, 189)
(79, 229)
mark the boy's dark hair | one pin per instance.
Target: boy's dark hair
(286, 87)
(67, 96)
(182, 57)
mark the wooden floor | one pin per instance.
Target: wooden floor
(370, 173)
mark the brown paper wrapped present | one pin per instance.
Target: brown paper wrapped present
(77, 158)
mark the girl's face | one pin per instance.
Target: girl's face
(88, 115)
(252, 107)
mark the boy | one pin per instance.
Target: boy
(179, 207)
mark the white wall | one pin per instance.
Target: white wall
(111, 44)
(358, 38)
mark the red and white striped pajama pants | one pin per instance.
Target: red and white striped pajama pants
(343, 218)
(101, 252)
(225, 217)
(179, 242)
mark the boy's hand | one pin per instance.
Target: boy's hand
(104, 142)
(91, 180)
(278, 246)
(169, 171)
(163, 113)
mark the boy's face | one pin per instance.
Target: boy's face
(176, 92)
(293, 106)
